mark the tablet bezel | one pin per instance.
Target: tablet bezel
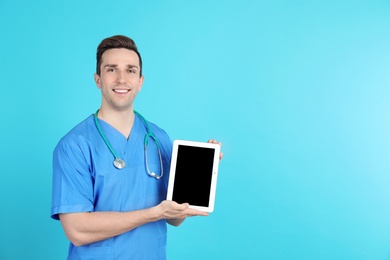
(214, 177)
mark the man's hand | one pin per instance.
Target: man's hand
(213, 141)
(175, 213)
(172, 210)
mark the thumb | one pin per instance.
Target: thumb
(184, 206)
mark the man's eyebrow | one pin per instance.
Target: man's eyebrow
(115, 65)
(111, 65)
(132, 66)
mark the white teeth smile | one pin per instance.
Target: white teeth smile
(121, 90)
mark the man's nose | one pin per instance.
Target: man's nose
(121, 77)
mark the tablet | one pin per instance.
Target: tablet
(193, 174)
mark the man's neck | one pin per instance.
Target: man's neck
(120, 120)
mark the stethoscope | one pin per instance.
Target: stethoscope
(119, 163)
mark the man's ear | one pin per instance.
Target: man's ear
(141, 82)
(97, 80)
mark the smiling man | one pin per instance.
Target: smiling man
(109, 203)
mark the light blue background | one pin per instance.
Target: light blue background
(297, 91)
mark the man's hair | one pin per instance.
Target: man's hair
(115, 42)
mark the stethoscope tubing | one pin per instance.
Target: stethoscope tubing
(146, 141)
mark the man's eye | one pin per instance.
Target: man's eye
(131, 71)
(110, 70)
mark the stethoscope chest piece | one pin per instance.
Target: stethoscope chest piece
(119, 164)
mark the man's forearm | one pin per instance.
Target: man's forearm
(88, 227)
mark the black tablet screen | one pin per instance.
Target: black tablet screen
(194, 169)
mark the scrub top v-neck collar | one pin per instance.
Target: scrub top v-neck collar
(123, 147)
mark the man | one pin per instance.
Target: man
(115, 210)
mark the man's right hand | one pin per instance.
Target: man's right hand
(176, 213)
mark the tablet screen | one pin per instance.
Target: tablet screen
(194, 170)
(193, 174)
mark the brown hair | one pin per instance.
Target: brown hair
(117, 41)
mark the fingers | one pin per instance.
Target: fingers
(173, 210)
(189, 212)
(174, 206)
(213, 141)
(183, 206)
(194, 212)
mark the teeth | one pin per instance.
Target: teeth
(121, 90)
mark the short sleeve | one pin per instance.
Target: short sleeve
(72, 189)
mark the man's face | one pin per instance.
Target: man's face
(119, 79)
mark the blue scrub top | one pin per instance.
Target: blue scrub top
(85, 180)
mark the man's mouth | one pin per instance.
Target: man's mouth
(121, 91)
